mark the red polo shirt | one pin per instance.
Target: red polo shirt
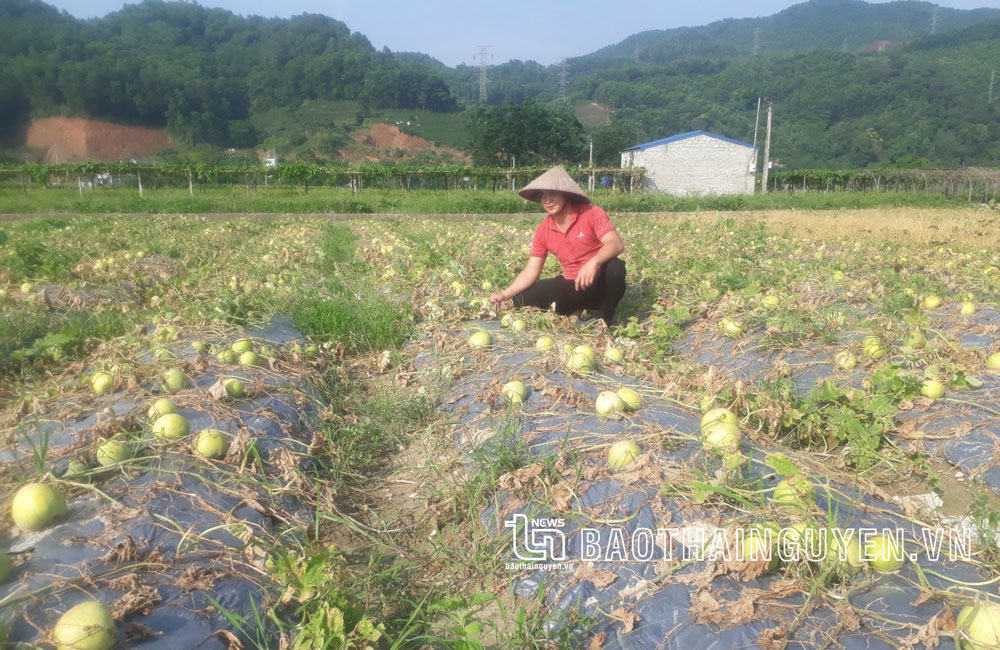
(579, 243)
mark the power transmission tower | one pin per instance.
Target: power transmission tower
(485, 58)
(993, 75)
(934, 21)
(843, 46)
(563, 73)
(756, 41)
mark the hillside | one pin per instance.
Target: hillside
(199, 72)
(849, 25)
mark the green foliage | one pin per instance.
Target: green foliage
(199, 71)
(854, 419)
(528, 132)
(610, 140)
(317, 606)
(218, 79)
(29, 338)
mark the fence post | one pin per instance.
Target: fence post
(138, 175)
(190, 184)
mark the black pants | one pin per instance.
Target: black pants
(602, 296)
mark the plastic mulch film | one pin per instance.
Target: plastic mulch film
(170, 541)
(649, 552)
(962, 429)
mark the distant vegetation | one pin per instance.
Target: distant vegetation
(200, 72)
(302, 85)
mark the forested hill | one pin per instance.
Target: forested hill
(198, 71)
(848, 25)
(929, 103)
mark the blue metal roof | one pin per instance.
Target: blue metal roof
(690, 134)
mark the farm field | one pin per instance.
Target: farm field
(372, 484)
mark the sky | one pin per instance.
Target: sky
(454, 31)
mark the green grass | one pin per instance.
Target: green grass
(365, 325)
(357, 315)
(27, 339)
(340, 200)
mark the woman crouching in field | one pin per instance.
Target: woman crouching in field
(586, 244)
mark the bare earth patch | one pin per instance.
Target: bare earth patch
(72, 139)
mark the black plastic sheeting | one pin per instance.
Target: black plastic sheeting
(666, 603)
(185, 536)
(970, 431)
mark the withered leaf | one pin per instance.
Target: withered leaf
(627, 618)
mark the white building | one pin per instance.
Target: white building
(695, 164)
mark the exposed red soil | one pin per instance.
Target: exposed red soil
(380, 138)
(72, 139)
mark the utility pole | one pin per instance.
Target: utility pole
(756, 124)
(562, 80)
(767, 149)
(590, 163)
(485, 57)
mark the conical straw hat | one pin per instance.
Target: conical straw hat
(555, 179)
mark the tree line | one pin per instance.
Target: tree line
(931, 103)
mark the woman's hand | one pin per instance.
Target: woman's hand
(498, 297)
(587, 275)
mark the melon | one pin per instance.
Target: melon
(102, 382)
(88, 626)
(173, 381)
(515, 391)
(608, 403)
(212, 443)
(241, 346)
(36, 505)
(160, 407)
(171, 426)
(631, 399)
(234, 387)
(480, 339)
(112, 452)
(613, 355)
(622, 453)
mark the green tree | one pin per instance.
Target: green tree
(529, 133)
(610, 140)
